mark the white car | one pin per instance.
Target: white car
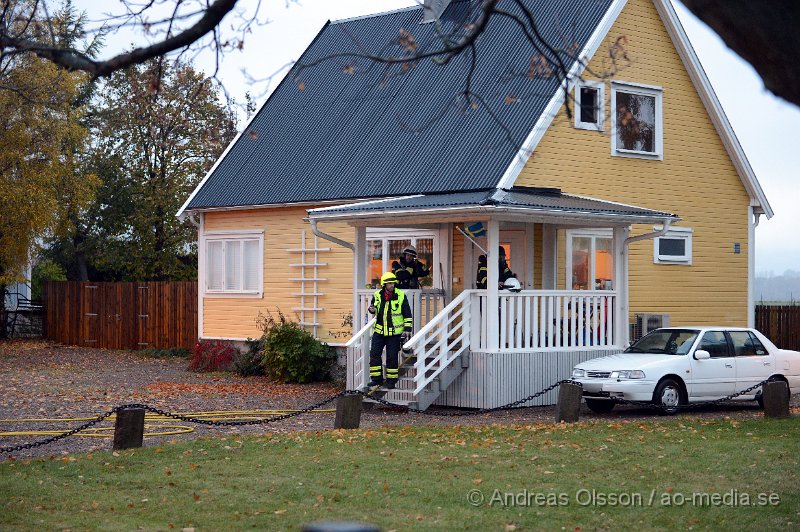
(674, 366)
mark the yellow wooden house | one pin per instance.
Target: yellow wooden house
(619, 192)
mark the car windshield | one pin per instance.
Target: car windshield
(665, 341)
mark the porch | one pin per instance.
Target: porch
(486, 348)
(451, 359)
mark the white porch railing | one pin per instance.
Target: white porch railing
(542, 319)
(425, 305)
(528, 320)
(441, 341)
(358, 353)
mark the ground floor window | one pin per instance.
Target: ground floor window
(674, 247)
(590, 260)
(387, 245)
(234, 263)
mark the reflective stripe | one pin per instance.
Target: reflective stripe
(393, 309)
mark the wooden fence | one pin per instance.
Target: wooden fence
(153, 315)
(781, 324)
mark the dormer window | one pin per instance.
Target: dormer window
(589, 100)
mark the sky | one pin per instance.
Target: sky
(765, 125)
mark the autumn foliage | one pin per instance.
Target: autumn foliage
(211, 355)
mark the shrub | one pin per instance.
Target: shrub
(292, 354)
(250, 362)
(211, 355)
(172, 352)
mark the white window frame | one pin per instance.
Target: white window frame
(674, 233)
(601, 100)
(386, 234)
(233, 236)
(643, 90)
(592, 234)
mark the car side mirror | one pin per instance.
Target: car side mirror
(702, 354)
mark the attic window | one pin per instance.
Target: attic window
(636, 117)
(589, 100)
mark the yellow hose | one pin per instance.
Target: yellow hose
(97, 432)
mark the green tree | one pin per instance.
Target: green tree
(157, 129)
(40, 135)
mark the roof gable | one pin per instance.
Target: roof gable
(325, 134)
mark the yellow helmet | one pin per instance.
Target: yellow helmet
(388, 277)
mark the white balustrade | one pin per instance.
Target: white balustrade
(425, 305)
(358, 353)
(547, 319)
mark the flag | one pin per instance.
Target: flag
(475, 229)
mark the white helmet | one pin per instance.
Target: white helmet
(512, 284)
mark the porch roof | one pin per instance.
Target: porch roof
(527, 204)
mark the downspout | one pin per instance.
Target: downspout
(198, 223)
(623, 298)
(192, 217)
(655, 234)
(753, 219)
(328, 237)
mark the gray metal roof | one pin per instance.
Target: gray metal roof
(525, 198)
(383, 131)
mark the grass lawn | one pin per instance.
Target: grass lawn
(675, 474)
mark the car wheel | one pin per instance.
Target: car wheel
(669, 396)
(600, 406)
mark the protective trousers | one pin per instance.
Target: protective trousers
(392, 345)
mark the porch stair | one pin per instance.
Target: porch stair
(403, 394)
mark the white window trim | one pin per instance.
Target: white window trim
(386, 233)
(601, 105)
(589, 233)
(644, 90)
(246, 234)
(684, 233)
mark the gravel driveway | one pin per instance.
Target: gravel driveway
(41, 380)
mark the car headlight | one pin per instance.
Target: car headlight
(578, 373)
(627, 374)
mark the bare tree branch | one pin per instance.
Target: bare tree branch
(72, 60)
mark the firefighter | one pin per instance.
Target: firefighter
(505, 271)
(393, 326)
(409, 270)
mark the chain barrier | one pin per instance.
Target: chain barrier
(476, 412)
(57, 437)
(366, 395)
(164, 413)
(689, 406)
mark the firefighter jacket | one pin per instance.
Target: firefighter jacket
(393, 316)
(409, 274)
(505, 272)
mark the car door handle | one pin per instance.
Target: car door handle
(767, 363)
(728, 365)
